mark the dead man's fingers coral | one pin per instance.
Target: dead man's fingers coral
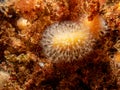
(67, 41)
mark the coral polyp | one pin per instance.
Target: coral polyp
(69, 39)
(66, 41)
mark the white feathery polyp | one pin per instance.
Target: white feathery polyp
(66, 41)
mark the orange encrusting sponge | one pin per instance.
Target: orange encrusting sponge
(96, 25)
(117, 57)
